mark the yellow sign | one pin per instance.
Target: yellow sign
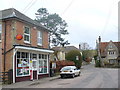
(30, 61)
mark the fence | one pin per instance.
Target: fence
(6, 77)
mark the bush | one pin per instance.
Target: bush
(71, 55)
(97, 63)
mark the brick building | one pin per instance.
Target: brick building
(24, 46)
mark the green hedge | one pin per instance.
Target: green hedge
(71, 55)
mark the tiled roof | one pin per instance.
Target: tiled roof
(103, 46)
(65, 49)
(13, 13)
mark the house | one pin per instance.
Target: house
(109, 52)
(61, 51)
(24, 46)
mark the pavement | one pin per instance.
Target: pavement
(26, 84)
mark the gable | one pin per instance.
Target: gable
(105, 46)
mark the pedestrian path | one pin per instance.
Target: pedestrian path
(25, 84)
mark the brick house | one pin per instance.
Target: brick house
(109, 52)
(24, 46)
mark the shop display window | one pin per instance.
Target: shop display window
(43, 63)
(22, 64)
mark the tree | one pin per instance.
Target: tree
(88, 54)
(72, 56)
(54, 23)
(84, 46)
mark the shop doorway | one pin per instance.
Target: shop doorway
(34, 68)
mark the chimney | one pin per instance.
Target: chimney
(79, 47)
(99, 39)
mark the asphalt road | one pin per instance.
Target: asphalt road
(90, 77)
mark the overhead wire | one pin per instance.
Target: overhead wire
(66, 9)
(29, 6)
(107, 20)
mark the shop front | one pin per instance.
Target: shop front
(30, 63)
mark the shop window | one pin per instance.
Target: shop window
(34, 56)
(22, 64)
(0, 32)
(41, 68)
(34, 64)
(45, 66)
(27, 35)
(43, 63)
(40, 56)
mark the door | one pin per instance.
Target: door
(34, 68)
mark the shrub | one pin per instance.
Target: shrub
(97, 63)
(71, 55)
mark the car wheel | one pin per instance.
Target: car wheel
(73, 75)
(62, 76)
(79, 74)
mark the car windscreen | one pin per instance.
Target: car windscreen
(66, 68)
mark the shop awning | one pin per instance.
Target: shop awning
(33, 49)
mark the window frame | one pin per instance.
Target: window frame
(26, 34)
(22, 67)
(39, 37)
(43, 63)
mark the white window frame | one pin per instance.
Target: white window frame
(43, 59)
(1, 32)
(26, 35)
(39, 37)
(22, 58)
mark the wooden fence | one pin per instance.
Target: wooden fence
(6, 77)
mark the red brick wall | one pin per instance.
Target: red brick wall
(10, 39)
(20, 30)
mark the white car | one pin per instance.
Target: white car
(69, 71)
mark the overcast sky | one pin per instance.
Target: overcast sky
(87, 19)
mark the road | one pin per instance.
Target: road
(90, 77)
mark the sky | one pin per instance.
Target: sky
(86, 19)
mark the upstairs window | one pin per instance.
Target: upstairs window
(39, 38)
(27, 35)
(110, 46)
(0, 32)
(111, 52)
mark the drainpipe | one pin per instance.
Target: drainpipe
(4, 49)
(14, 52)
